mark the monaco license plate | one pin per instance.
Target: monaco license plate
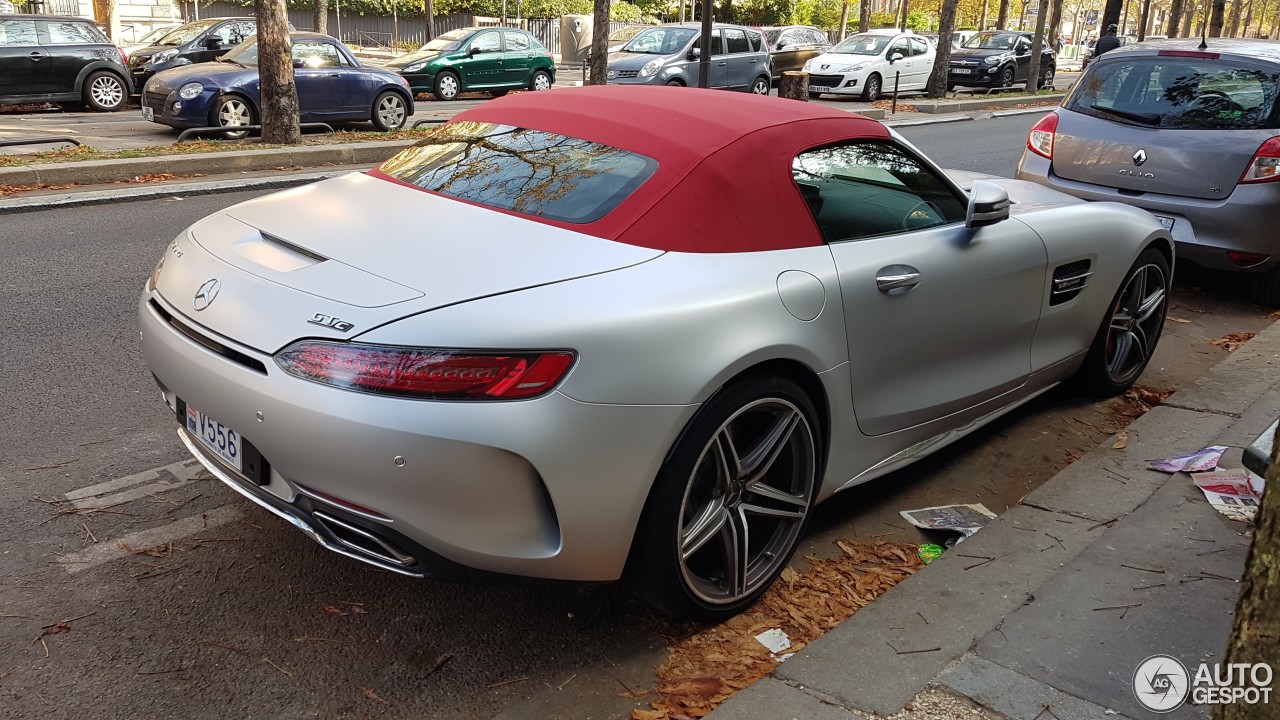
(1167, 222)
(216, 437)
(961, 71)
(148, 113)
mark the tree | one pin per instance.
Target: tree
(1255, 631)
(864, 16)
(431, 20)
(104, 12)
(1002, 20)
(1037, 46)
(1145, 17)
(1215, 19)
(1110, 16)
(1055, 23)
(278, 92)
(903, 24)
(322, 16)
(600, 42)
(1233, 20)
(937, 85)
(1175, 14)
(844, 18)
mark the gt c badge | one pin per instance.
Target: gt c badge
(206, 294)
(330, 321)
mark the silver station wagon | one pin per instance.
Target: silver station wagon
(1190, 134)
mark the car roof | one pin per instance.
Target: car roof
(1244, 47)
(886, 31)
(696, 25)
(58, 18)
(704, 142)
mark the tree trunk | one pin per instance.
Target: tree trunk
(903, 10)
(1110, 16)
(1233, 20)
(937, 86)
(794, 86)
(844, 19)
(1255, 632)
(1188, 18)
(600, 42)
(1143, 20)
(321, 17)
(104, 13)
(982, 20)
(431, 20)
(1037, 46)
(1002, 20)
(1055, 23)
(1215, 20)
(1175, 15)
(275, 72)
(864, 16)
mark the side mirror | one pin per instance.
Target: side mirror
(781, 46)
(213, 41)
(473, 50)
(694, 54)
(895, 58)
(988, 204)
(1023, 50)
(299, 63)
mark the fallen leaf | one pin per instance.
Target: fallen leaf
(369, 693)
(331, 610)
(1122, 441)
(1232, 342)
(1171, 318)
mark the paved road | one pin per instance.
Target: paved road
(244, 617)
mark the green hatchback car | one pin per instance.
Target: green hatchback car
(489, 59)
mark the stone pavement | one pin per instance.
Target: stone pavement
(1048, 611)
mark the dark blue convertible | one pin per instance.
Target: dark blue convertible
(332, 87)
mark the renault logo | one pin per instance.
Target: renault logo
(1139, 157)
(206, 294)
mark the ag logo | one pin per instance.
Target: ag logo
(1161, 683)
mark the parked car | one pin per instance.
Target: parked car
(669, 55)
(147, 40)
(790, 47)
(333, 86)
(998, 58)
(196, 42)
(1187, 134)
(599, 360)
(867, 63)
(54, 58)
(623, 35)
(491, 59)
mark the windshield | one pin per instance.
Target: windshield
(447, 42)
(187, 33)
(661, 41)
(526, 171)
(624, 34)
(992, 41)
(864, 45)
(154, 35)
(1181, 93)
(246, 53)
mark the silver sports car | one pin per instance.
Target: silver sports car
(558, 339)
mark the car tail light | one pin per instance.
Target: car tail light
(1265, 165)
(425, 373)
(123, 57)
(1189, 54)
(1040, 139)
(1244, 259)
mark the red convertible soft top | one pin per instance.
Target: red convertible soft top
(723, 182)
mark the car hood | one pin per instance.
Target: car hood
(413, 58)
(833, 58)
(632, 61)
(365, 251)
(217, 74)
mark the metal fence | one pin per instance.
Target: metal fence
(47, 7)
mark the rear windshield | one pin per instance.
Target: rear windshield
(526, 171)
(1181, 93)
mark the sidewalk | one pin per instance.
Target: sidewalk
(1103, 566)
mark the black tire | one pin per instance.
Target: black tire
(871, 91)
(1131, 330)
(675, 83)
(389, 111)
(1046, 80)
(760, 86)
(105, 91)
(540, 80)
(683, 555)
(448, 86)
(230, 111)
(1006, 76)
(498, 93)
(951, 86)
(1264, 289)
(813, 95)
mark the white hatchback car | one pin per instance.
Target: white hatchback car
(868, 63)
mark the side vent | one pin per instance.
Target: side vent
(1069, 280)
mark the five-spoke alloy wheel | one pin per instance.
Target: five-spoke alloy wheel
(1128, 336)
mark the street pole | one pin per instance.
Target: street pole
(704, 55)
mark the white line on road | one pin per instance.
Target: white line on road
(96, 496)
(105, 552)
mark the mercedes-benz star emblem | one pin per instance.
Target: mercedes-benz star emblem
(1139, 157)
(205, 295)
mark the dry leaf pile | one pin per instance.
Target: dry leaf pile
(888, 105)
(1134, 404)
(15, 189)
(706, 669)
(1232, 342)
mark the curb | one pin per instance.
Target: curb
(986, 103)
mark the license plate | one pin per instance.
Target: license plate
(148, 113)
(819, 88)
(218, 438)
(961, 71)
(1167, 222)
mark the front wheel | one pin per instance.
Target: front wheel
(729, 506)
(1128, 336)
(1006, 76)
(871, 91)
(104, 91)
(389, 111)
(761, 86)
(447, 86)
(541, 80)
(674, 83)
(232, 111)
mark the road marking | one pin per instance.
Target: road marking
(105, 494)
(105, 552)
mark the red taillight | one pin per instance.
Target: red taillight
(1244, 259)
(1265, 165)
(1189, 54)
(123, 58)
(425, 373)
(1040, 139)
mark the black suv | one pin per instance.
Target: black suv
(998, 58)
(51, 58)
(197, 42)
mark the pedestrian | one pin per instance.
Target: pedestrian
(1107, 42)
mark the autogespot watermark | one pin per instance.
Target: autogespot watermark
(1162, 684)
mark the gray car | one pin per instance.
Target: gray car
(1190, 135)
(669, 55)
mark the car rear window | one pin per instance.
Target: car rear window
(526, 171)
(1181, 92)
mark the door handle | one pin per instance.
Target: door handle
(36, 56)
(897, 279)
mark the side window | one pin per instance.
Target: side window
(868, 189)
(71, 33)
(789, 38)
(820, 37)
(517, 42)
(18, 32)
(736, 41)
(757, 41)
(899, 46)
(317, 54)
(487, 42)
(919, 47)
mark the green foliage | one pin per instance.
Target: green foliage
(620, 10)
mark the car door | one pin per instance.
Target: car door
(483, 67)
(790, 51)
(1022, 56)
(20, 58)
(70, 45)
(900, 68)
(318, 75)
(719, 60)
(922, 57)
(742, 65)
(940, 318)
(517, 58)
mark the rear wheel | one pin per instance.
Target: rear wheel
(541, 80)
(1264, 289)
(104, 91)
(871, 91)
(1129, 334)
(389, 111)
(447, 86)
(760, 86)
(729, 506)
(1046, 80)
(232, 111)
